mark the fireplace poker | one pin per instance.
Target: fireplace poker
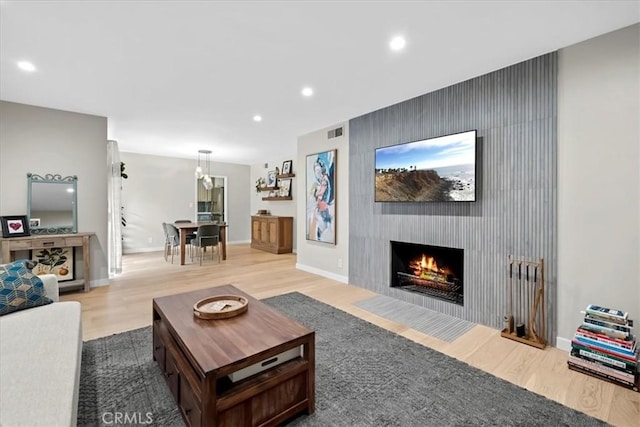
(520, 317)
(510, 315)
(532, 319)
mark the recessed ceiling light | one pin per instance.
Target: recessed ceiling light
(26, 66)
(307, 91)
(397, 43)
(257, 118)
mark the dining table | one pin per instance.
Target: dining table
(191, 227)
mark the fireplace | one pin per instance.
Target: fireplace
(429, 270)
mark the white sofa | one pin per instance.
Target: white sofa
(40, 354)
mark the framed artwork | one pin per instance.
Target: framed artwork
(286, 167)
(15, 226)
(285, 187)
(58, 261)
(34, 222)
(271, 178)
(321, 197)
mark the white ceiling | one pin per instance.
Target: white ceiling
(174, 77)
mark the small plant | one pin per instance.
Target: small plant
(260, 182)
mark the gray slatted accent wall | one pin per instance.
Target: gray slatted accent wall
(514, 111)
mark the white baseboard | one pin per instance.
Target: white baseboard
(129, 251)
(238, 242)
(327, 274)
(563, 344)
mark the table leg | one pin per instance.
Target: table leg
(183, 244)
(223, 242)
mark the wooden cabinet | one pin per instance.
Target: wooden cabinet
(272, 233)
(15, 244)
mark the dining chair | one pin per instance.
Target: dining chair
(189, 236)
(206, 235)
(173, 239)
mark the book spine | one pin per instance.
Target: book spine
(616, 315)
(614, 333)
(614, 380)
(595, 366)
(618, 351)
(585, 352)
(605, 324)
(605, 352)
(629, 345)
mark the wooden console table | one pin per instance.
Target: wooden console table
(15, 244)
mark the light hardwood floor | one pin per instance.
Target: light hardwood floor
(126, 304)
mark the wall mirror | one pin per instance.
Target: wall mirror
(52, 204)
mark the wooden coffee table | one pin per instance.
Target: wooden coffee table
(197, 356)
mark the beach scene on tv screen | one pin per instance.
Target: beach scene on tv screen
(441, 169)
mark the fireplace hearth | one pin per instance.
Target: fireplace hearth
(429, 270)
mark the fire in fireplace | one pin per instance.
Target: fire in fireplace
(431, 270)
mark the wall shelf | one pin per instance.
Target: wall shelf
(268, 188)
(286, 175)
(275, 198)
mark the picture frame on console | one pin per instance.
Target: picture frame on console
(15, 226)
(321, 197)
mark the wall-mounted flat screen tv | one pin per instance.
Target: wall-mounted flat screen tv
(441, 169)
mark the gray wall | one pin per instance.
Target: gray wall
(163, 189)
(43, 140)
(599, 177)
(322, 258)
(514, 111)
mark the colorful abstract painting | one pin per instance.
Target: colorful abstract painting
(321, 197)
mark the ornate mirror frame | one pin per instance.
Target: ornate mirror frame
(53, 179)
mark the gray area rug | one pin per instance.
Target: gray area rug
(442, 326)
(365, 376)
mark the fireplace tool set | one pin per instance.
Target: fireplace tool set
(526, 319)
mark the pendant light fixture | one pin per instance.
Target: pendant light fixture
(207, 182)
(198, 172)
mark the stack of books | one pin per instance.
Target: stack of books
(605, 347)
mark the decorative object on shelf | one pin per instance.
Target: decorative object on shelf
(58, 261)
(220, 307)
(34, 222)
(53, 199)
(260, 184)
(605, 347)
(286, 167)
(321, 202)
(526, 319)
(277, 171)
(284, 188)
(15, 226)
(263, 212)
(271, 178)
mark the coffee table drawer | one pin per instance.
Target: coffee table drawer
(266, 364)
(188, 403)
(53, 242)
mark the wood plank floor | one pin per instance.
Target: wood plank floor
(126, 304)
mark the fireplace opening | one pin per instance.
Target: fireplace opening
(430, 270)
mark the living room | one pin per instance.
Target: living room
(542, 195)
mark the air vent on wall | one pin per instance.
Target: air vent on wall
(334, 133)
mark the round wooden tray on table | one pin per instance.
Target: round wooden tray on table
(220, 307)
